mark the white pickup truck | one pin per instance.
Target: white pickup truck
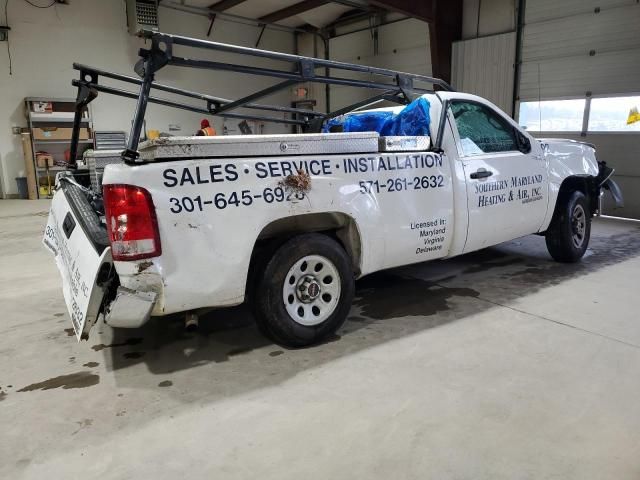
(289, 222)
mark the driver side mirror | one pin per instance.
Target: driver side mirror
(524, 144)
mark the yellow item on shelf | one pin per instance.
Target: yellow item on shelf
(153, 134)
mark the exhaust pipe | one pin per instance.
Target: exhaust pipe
(191, 321)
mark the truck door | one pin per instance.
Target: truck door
(505, 174)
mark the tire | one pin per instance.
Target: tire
(304, 294)
(570, 230)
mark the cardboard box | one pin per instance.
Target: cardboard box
(58, 133)
(44, 160)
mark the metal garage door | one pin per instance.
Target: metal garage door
(577, 46)
(584, 49)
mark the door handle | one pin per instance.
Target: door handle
(481, 173)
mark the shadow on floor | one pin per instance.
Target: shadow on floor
(388, 305)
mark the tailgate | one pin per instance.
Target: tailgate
(73, 235)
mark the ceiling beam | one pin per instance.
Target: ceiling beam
(422, 10)
(359, 4)
(292, 10)
(445, 29)
(223, 5)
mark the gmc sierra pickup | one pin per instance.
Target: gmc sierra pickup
(289, 222)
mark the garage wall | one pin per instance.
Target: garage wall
(483, 62)
(481, 18)
(402, 46)
(45, 42)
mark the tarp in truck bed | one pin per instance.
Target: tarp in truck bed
(412, 120)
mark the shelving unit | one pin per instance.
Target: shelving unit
(42, 123)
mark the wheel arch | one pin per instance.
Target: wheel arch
(587, 184)
(338, 225)
(567, 237)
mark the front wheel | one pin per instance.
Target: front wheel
(305, 292)
(570, 230)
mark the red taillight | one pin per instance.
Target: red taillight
(131, 222)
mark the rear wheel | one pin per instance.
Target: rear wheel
(570, 230)
(305, 292)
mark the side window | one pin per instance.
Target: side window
(482, 130)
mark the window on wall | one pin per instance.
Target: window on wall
(612, 114)
(552, 115)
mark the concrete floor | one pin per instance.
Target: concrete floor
(497, 365)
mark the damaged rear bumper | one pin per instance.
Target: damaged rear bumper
(130, 308)
(139, 295)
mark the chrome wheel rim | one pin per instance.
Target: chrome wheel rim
(578, 226)
(311, 290)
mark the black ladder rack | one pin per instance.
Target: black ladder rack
(397, 87)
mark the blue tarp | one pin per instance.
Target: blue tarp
(412, 120)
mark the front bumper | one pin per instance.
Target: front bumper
(605, 183)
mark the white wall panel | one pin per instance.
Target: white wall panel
(402, 46)
(485, 66)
